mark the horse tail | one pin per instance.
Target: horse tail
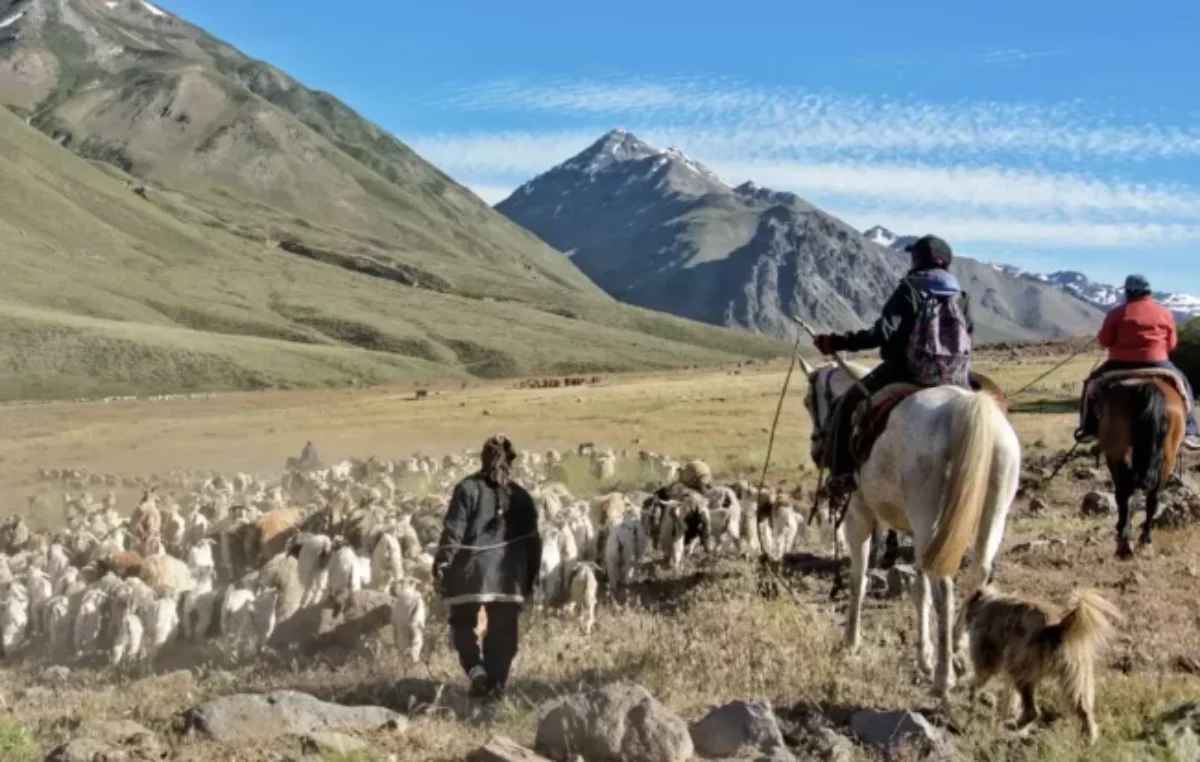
(972, 444)
(1148, 419)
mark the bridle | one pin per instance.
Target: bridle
(822, 393)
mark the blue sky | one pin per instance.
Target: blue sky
(1051, 135)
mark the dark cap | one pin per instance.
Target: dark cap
(930, 251)
(1137, 284)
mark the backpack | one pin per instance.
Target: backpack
(939, 347)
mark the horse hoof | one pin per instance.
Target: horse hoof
(1124, 552)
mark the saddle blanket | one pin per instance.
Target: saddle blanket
(1136, 375)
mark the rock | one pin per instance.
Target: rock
(900, 580)
(87, 750)
(501, 749)
(812, 734)
(731, 728)
(1039, 507)
(893, 731)
(1087, 474)
(329, 742)
(778, 755)
(1179, 732)
(109, 741)
(1097, 503)
(251, 717)
(486, 411)
(56, 675)
(877, 582)
(620, 722)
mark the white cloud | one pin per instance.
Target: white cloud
(989, 187)
(492, 194)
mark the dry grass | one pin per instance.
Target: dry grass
(700, 637)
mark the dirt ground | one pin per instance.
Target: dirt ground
(698, 637)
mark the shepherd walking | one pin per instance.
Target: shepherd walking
(488, 559)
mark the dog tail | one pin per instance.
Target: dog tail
(1087, 625)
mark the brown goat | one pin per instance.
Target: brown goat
(270, 534)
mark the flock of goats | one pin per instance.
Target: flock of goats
(203, 557)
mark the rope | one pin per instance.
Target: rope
(1070, 357)
(483, 548)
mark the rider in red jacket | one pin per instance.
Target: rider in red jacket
(1139, 334)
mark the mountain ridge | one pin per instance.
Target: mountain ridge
(1103, 296)
(656, 228)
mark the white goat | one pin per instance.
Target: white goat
(583, 593)
(623, 551)
(160, 622)
(128, 640)
(14, 618)
(387, 562)
(550, 574)
(408, 619)
(58, 624)
(89, 621)
(200, 556)
(312, 567)
(348, 571)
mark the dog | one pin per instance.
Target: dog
(1024, 641)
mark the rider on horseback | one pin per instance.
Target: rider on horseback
(929, 278)
(1138, 334)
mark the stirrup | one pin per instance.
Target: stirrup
(1085, 437)
(1191, 443)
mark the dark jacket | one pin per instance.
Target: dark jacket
(499, 524)
(890, 333)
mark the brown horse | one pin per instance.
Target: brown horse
(1141, 430)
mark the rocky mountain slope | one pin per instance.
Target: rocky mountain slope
(192, 218)
(656, 228)
(1099, 295)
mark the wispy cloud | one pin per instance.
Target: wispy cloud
(720, 111)
(1013, 57)
(980, 171)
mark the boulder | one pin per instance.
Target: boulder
(253, 717)
(620, 722)
(893, 731)
(1096, 503)
(501, 749)
(732, 728)
(109, 741)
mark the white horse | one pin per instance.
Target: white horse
(945, 470)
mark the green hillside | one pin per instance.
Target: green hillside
(185, 218)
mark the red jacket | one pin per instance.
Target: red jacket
(1139, 331)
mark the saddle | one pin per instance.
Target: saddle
(871, 418)
(1135, 377)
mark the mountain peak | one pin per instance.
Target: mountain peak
(614, 147)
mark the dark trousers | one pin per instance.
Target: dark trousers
(499, 646)
(839, 458)
(1111, 365)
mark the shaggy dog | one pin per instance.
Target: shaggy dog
(1024, 641)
